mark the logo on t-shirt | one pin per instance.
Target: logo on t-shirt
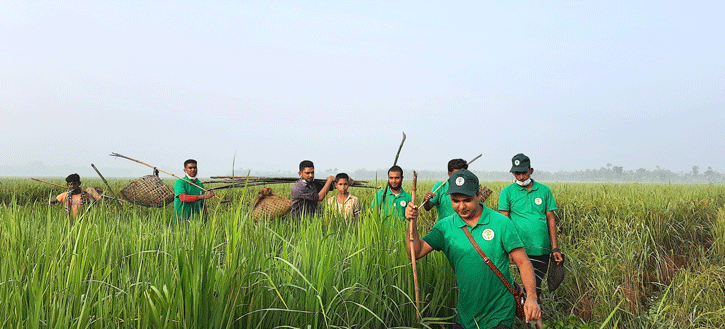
(487, 234)
(460, 181)
(402, 203)
(538, 201)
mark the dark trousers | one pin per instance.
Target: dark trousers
(541, 265)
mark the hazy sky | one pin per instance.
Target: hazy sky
(573, 84)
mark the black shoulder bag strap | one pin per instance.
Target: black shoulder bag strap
(488, 262)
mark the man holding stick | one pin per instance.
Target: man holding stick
(440, 198)
(75, 198)
(189, 198)
(305, 193)
(396, 199)
(483, 300)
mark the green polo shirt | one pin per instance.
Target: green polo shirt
(442, 202)
(184, 210)
(394, 206)
(527, 209)
(483, 300)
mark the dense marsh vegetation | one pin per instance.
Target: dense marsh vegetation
(639, 256)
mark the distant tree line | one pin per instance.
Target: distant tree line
(609, 173)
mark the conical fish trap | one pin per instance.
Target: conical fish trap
(148, 191)
(556, 273)
(485, 192)
(270, 205)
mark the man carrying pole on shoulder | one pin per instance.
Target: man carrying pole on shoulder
(396, 199)
(190, 198)
(306, 194)
(483, 299)
(76, 198)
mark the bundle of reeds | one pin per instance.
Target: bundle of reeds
(234, 182)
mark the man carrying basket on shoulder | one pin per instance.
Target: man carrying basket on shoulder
(189, 200)
(76, 198)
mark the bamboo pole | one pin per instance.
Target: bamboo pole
(54, 184)
(166, 172)
(104, 179)
(426, 199)
(66, 187)
(382, 200)
(411, 227)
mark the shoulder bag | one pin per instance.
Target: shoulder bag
(517, 290)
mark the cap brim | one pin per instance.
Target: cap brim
(460, 191)
(519, 168)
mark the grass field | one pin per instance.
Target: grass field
(639, 256)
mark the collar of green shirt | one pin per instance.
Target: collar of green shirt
(390, 192)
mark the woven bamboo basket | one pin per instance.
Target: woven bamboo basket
(555, 275)
(148, 191)
(270, 205)
(485, 192)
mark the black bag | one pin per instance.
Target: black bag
(555, 275)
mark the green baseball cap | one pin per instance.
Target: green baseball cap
(520, 162)
(463, 182)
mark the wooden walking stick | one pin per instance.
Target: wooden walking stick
(411, 227)
(166, 172)
(426, 199)
(382, 200)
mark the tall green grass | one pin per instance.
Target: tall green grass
(639, 256)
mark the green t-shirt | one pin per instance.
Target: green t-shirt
(184, 210)
(442, 202)
(527, 209)
(394, 206)
(483, 300)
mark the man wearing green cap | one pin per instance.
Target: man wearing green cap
(483, 300)
(531, 205)
(440, 199)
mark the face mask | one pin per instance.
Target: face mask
(524, 183)
(192, 178)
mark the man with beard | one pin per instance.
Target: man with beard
(75, 198)
(440, 199)
(483, 299)
(305, 193)
(531, 205)
(395, 200)
(189, 199)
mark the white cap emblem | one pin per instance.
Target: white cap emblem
(488, 234)
(516, 162)
(460, 181)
